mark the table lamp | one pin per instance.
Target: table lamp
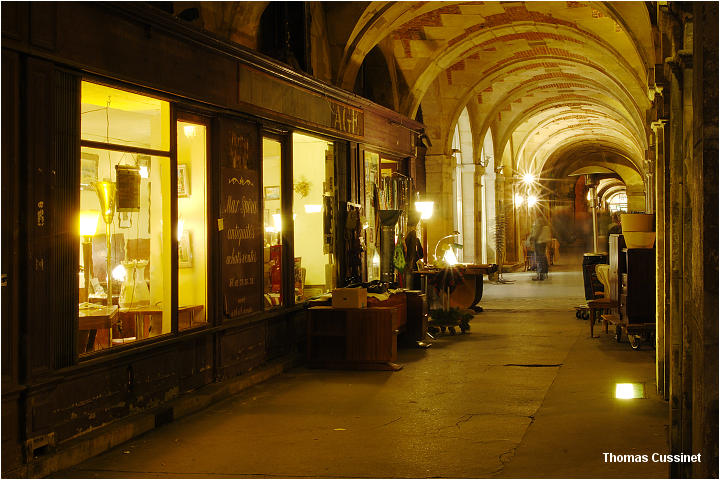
(453, 234)
(88, 225)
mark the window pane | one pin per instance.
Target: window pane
(372, 232)
(272, 153)
(115, 116)
(313, 194)
(192, 225)
(124, 295)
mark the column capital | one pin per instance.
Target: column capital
(659, 123)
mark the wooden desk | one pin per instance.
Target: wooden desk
(353, 338)
(91, 318)
(468, 292)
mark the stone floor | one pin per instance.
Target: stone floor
(526, 394)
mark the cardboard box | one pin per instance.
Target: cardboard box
(349, 298)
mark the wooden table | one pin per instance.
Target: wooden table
(468, 291)
(93, 317)
(153, 315)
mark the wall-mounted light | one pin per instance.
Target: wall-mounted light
(425, 208)
(528, 178)
(189, 131)
(531, 200)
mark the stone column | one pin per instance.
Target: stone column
(704, 202)
(470, 227)
(660, 240)
(438, 188)
(676, 266)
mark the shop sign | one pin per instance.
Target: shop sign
(347, 119)
(240, 222)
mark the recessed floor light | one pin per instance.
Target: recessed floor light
(629, 390)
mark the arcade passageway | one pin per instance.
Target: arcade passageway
(185, 185)
(470, 406)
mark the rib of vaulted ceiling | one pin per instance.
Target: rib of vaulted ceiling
(543, 76)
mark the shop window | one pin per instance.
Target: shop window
(313, 214)
(124, 220)
(124, 118)
(191, 225)
(272, 270)
(372, 230)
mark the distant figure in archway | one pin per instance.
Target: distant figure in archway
(541, 236)
(613, 227)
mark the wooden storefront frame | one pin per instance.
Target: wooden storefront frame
(48, 382)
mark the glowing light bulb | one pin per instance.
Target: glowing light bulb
(425, 209)
(144, 172)
(450, 257)
(532, 200)
(119, 273)
(528, 178)
(88, 222)
(518, 199)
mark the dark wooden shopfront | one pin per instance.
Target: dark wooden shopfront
(52, 395)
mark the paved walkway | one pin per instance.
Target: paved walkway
(526, 394)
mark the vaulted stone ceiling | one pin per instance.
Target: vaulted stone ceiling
(556, 82)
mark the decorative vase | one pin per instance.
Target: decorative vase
(127, 289)
(142, 292)
(134, 291)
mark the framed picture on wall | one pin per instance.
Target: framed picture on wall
(88, 169)
(183, 179)
(272, 193)
(185, 254)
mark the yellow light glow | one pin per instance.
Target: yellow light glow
(277, 220)
(450, 257)
(88, 222)
(518, 199)
(425, 209)
(119, 273)
(144, 172)
(365, 225)
(180, 227)
(528, 178)
(189, 130)
(532, 200)
(376, 259)
(627, 391)
(313, 208)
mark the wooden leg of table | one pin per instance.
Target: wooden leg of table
(592, 321)
(91, 341)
